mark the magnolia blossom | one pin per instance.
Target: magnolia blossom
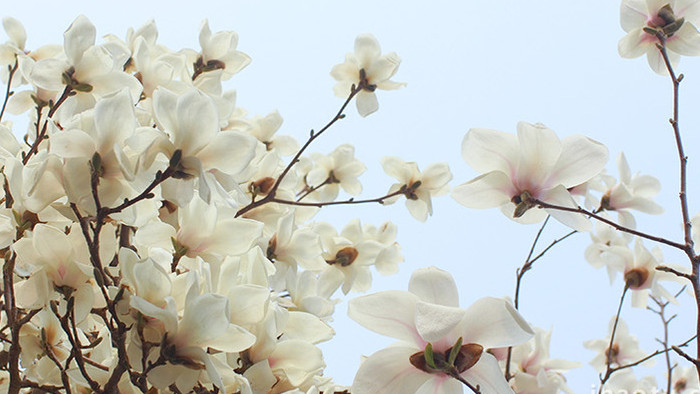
(429, 323)
(624, 382)
(685, 380)
(338, 169)
(536, 373)
(625, 349)
(630, 192)
(607, 248)
(535, 164)
(646, 20)
(417, 187)
(641, 275)
(368, 70)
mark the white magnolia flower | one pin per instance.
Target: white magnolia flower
(338, 169)
(417, 187)
(631, 192)
(685, 380)
(428, 321)
(204, 324)
(676, 20)
(191, 122)
(625, 349)
(534, 164)
(366, 69)
(536, 373)
(607, 249)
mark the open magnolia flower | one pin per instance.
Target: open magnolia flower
(647, 20)
(366, 69)
(417, 187)
(535, 164)
(440, 342)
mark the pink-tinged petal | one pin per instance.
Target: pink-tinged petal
(435, 286)
(561, 197)
(389, 371)
(489, 190)
(581, 159)
(488, 150)
(657, 63)
(72, 143)
(366, 49)
(52, 245)
(487, 375)
(78, 38)
(492, 323)
(635, 44)
(366, 103)
(441, 384)
(434, 321)
(633, 14)
(688, 9)
(229, 152)
(685, 41)
(390, 313)
(540, 149)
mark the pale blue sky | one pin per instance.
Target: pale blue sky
(468, 64)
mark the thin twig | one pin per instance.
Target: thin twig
(609, 356)
(8, 93)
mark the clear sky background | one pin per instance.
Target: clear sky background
(475, 63)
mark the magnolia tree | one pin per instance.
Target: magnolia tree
(157, 237)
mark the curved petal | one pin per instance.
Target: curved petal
(78, 38)
(490, 150)
(434, 321)
(493, 323)
(487, 375)
(435, 286)
(561, 197)
(581, 159)
(540, 148)
(389, 371)
(390, 313)
(366, 49)
(366, 103)
(686, 41)
(229, 152)
(489, 190)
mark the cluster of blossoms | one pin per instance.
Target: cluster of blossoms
(156, 236)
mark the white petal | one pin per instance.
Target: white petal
(390, 313)
(540, 149)
(686, 41)
(389, 371)
(366, 103)
(435, 286)
(488, 150)
(492, 322)
(366, 49)
(487, 375)
(561, 197)
(15, 31)
(434, 321)
(581, 159)
(229, 152)
(490, 190)
(78, 38)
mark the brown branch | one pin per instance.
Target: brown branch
(608, 360)
(313, 135)
(618, 227)
(41, 135)
(9, 93)
(379, 200)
